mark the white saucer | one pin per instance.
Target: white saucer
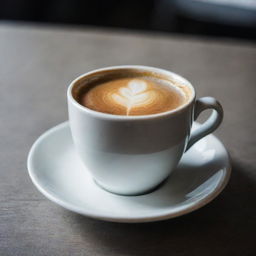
(58, 173)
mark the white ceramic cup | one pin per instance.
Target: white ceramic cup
(131, 155)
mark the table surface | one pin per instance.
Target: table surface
(37, 64)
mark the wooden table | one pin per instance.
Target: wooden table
(37, 63)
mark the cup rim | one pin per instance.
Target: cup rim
(138, 117)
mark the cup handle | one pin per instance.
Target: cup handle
(211, 124)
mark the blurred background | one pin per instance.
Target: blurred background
(218, 18)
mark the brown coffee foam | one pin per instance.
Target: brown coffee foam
(96, 92)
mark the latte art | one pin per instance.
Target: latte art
(135, 94)
(132, 96)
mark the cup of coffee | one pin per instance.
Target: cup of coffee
(132, 124)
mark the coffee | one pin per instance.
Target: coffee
(133, 154)
(131, 96)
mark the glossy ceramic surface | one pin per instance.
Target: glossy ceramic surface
(152, 144)
(57, 171)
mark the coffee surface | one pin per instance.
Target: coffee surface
(132, 96)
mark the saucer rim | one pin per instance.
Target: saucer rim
(182, 210)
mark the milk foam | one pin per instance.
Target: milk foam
(132, 96)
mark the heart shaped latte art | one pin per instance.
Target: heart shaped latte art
(133, 95)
